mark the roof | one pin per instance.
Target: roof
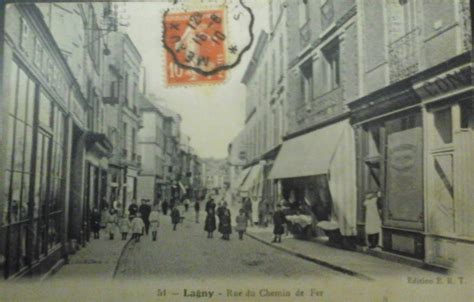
(262, 40)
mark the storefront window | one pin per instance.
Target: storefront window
(45, 110)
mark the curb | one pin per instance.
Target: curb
(314, 260)
(56, 267)
(120, 257)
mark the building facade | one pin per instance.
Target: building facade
(48, 136)
(378, 101)
(65, 114)
(413, 125)
(151, 145)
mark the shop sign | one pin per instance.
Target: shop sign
(445, 83)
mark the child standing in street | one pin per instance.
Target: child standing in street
(112, 221)
(154, 222)
(175, 217)
(124, 226)
(137, 227)
(241, 221)
(279, 220)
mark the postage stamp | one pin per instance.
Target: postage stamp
(202, 45)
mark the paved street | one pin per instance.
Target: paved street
(187, 253)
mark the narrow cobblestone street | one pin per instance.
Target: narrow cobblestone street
(187, 253)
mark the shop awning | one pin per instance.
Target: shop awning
(308, 154)
(241, 178)
(252, 179)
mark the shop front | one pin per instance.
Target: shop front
(316, 171)
(98, 150)
(35, 139)
(252, 187)
(414, 147)
(447, 97)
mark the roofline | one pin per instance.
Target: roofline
(261, 43)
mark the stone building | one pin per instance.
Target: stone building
(122, 74)
(414, 126)
(316, 163)
(151, 146)
(378, 100)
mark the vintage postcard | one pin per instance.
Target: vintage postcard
(236, 150)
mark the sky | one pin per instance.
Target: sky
(211, 115)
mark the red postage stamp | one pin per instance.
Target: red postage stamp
(196, 44)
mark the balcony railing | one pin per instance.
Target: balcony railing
(320, 109)
(403, 56)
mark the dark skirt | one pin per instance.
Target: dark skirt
(210, 225)
(225, 228)
(278, 229)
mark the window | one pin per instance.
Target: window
(307, 81)
(126, 89)
(331, 55)
(25, 31)
(303, 12)
(38, 57)
(124, 137)
(133, 142)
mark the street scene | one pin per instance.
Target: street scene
(305, 142)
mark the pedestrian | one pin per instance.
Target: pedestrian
(186, 204)
(95, 222)
(248, 210)
(197, 208)
(137, 227)
(164, 207)
(373, 223)
(154, 222)
(261, 213)
(210, 223)
(210, 205)
(279, 220)
(241, 221)
(112, 221)
(103, 216)
(175, 217)
(225, 227)
(133, 209)
(220, 210)
(145, 210)
(124, 226)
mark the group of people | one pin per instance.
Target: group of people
(144, 219)
(224, 216)
(139, 221)
(242, 220)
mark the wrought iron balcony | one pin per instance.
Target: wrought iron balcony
(403, 56)
(320, 109)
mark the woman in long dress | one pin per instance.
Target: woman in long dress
(373, 223)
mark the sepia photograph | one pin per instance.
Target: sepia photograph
(236, 150)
